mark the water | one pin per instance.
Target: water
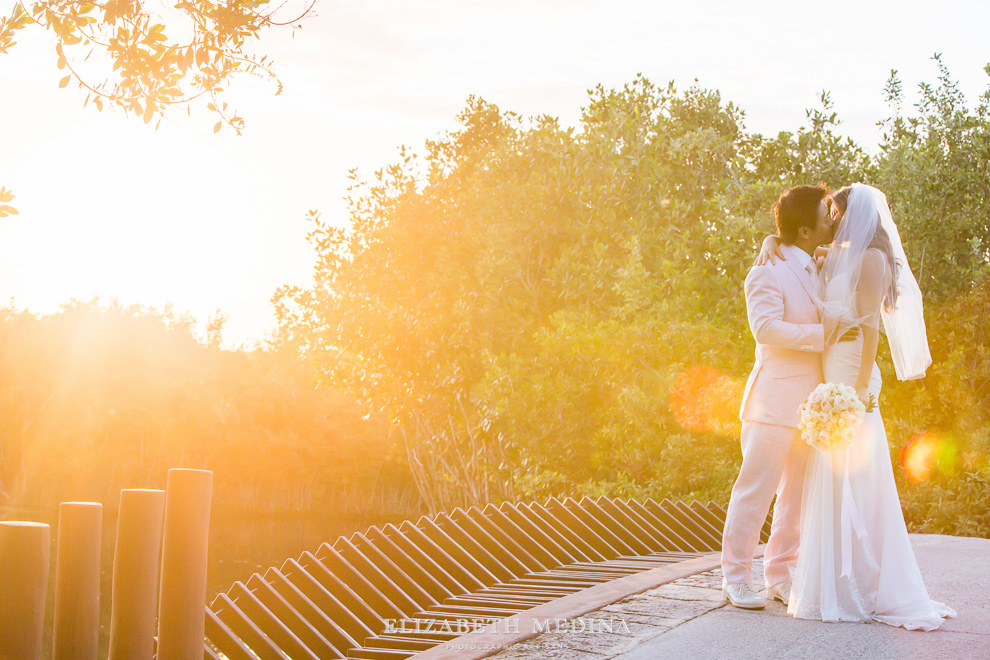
(243, 545)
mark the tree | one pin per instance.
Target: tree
(540, 310)
(148, 62)
(151, 68)
(99, 397)
(519, 302)
(935, 168)
(5, 198)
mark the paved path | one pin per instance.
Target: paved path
(687, 619)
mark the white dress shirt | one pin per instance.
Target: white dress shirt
(803, 258)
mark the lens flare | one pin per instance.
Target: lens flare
(706, 400)
(925, 453)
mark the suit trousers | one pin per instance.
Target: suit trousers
(774, 462)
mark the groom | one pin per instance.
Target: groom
(784, 314)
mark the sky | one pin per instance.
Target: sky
(110, 207)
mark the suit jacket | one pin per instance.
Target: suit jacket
(783, 306)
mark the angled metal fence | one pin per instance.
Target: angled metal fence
(393, 591)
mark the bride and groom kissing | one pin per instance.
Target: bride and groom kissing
(838, 549)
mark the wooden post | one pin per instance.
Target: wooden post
(24, 552)
(182, 599)
(76, 634)
(136, 557)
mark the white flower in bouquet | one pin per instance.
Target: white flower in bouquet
(830, 416)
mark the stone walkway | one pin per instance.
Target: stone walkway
(687, 619)
(624, 625)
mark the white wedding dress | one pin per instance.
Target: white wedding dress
(856, 562)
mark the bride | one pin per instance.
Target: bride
(856, 562)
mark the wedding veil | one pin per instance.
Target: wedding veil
(903, 318)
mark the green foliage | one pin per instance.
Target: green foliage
(144, 70)
(98, 398)
(555, 260)
(538, 310)
(953, 499)
(814, 153)
(935, 166)
(5, 209)
(524, 310)
(139, 67)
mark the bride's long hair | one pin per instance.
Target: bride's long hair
(881, 241)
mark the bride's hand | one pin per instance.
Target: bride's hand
(769, 251)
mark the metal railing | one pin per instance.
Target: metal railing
(387, 593)
(393, 591)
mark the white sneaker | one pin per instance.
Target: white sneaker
(781, 592)
(742, 595)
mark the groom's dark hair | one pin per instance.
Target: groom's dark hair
(796, 208)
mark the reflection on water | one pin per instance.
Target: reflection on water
(241, 546)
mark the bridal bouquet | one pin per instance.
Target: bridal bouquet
(830, 417)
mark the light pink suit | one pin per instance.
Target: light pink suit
(783, 308)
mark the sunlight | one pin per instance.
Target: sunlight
(458, 259)
(172, 229)
(925, 453)
(706, 400)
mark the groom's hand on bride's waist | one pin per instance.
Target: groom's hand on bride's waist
(851, 334)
